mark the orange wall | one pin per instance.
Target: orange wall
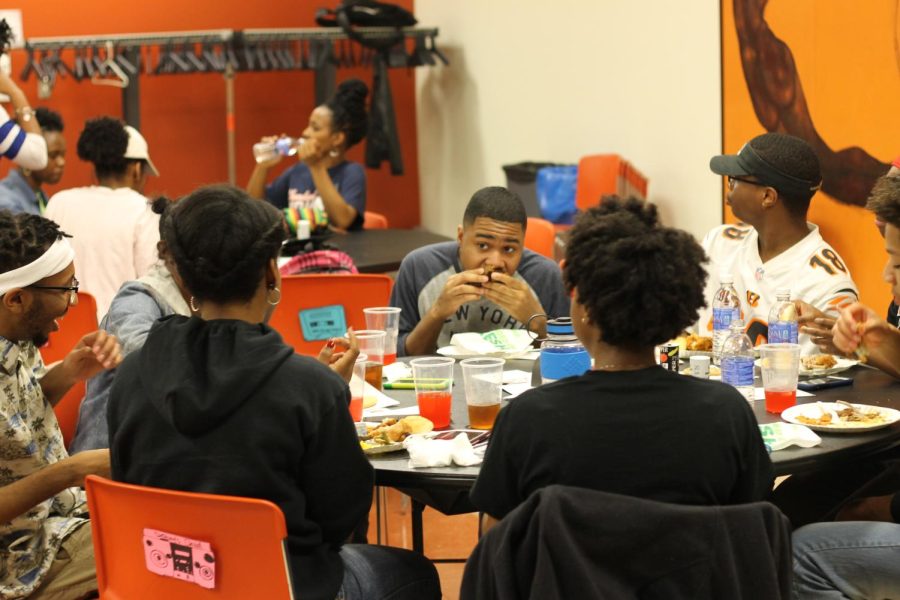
(848, 65)
(183, 116)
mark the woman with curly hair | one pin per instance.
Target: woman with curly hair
(114, 228)
(628, 426)
(324, 178)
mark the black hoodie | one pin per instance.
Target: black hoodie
(225, 407)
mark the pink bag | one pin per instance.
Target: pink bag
(320, 261)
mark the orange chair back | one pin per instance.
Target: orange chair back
(374, 220)
(79, 321)
(603, 174)
(540, 236)
(303, 292)
(246, 536)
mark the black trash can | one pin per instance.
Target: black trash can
(521, 180)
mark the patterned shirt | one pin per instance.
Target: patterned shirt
(30, 439)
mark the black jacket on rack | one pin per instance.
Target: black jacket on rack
(382, 142)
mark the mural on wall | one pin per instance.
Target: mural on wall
(828, 72)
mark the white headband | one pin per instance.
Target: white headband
(55, 259)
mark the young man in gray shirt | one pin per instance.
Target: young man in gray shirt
(485, 280)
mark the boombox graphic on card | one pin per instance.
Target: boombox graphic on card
(175, 556)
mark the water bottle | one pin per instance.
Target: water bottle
(737, 360)
(562, 354)
(783, 319)
(726, 307)
(283, 146)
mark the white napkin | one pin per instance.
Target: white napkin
(778, 436)
(397, 370)
(424, 452)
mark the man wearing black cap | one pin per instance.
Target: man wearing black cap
(771, 181)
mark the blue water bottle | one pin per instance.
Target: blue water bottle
(562, 354)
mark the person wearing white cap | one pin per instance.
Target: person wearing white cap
(115, 230)
(42, 508)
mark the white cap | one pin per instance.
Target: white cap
(726, 277)
(137, 148)
(783, 292)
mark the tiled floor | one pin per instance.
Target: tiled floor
(445, 537)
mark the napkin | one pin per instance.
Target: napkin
(397, 370)
(425, 452)
(778, 436)
(493, 342)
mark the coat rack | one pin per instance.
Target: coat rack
(120, 60)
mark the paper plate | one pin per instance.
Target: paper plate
(842, 365)
(458, 352)
(812, 410)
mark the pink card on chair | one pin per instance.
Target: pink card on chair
(179, 557)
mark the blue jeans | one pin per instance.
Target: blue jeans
(384, 573)
(851, 559)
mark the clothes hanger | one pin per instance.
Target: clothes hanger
(115, 76)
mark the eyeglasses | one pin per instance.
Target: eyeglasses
(71, 289)
(732, 179)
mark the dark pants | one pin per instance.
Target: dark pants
(385, 573)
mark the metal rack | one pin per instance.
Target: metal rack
(121, 59)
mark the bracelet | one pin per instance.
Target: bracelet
(25, 113)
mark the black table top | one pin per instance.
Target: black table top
(381, 250)
(441, 487)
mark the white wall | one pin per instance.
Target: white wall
(540, 80)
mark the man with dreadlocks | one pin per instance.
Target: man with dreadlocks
(45, 537)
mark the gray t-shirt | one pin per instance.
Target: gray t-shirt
(424, 272)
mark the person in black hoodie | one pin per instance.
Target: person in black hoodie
(218, 403)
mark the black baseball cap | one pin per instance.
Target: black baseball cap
(748, 162)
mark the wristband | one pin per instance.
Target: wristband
(25, 113)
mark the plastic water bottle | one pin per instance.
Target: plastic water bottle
(726, 307)
(783, 319)
(737, 360)
(562, 354)
(283, 146)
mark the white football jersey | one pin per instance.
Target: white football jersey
(811, 269)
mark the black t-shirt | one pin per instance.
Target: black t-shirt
(648, 433)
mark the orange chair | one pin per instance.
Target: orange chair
(246, 536)
(374, 220)
(598, 175)
(540, 236)
(303, 292)
(79, 321)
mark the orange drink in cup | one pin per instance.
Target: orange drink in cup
(780, 366)
(386, 319)
(433, 378)
(357, 387)
(371, 343)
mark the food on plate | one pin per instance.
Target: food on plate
(694, 343)
(393, 431)
(849, 415)
(817, 362)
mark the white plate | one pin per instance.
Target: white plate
(458, 352)
(811, 410)
(842, 365)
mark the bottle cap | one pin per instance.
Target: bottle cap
(725, 277)
(783, 292)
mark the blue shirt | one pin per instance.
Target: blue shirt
(348, 177)
(17, 196)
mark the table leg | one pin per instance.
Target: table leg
(418, 539)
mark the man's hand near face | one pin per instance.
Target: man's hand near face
(459, 289)
(512, 295)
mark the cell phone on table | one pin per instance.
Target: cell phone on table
(821, 383)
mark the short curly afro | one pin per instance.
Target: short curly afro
(640, 283)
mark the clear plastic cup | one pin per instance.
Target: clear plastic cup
(386, 319)
(780, 366)
(434, 388)
(357, 387)
(483, 378)
(371, 343)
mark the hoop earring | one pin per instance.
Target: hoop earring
(269, 300)
(333, 153)
(193, 307)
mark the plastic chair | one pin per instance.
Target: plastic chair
(79, 321)
(246, 536)
(374, 220)
(540, 236)
(303, 292)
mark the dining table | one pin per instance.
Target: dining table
(446, 489)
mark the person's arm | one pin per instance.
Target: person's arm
(457, 291)
(256, 186)
(94, 352)
(859, 330)
(817, 325)
(26, 493)
(23, 142)
(341, 361)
